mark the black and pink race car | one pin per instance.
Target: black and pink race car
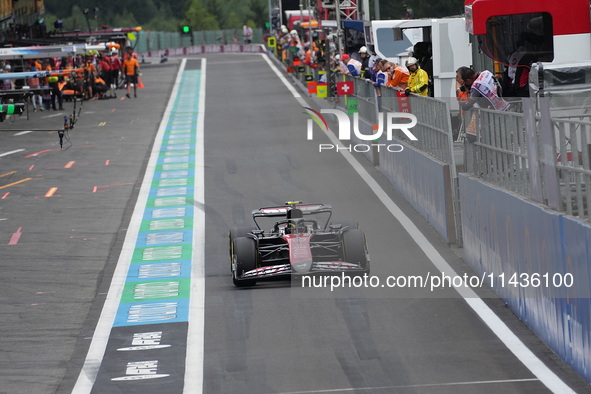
(301, 240)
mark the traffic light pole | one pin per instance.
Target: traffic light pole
(187, 30)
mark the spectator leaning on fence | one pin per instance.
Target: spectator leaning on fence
(397, 76)
(353, 66)
(375, 69)
(381, 74)
(339, 66)
(373, 58)
(365, 70)
(282, 43)
(318, 50)
(381, 79)
(418, 80)
(296, 49)
(483, 89)
(462, 92)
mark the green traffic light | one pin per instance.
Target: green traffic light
(186, 29)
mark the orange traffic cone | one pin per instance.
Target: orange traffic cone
(139, 83)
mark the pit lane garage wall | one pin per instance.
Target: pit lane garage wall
(505, 234)
(425, 183)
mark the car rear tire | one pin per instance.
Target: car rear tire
(355, 248)
(236, 232)
(245, 257)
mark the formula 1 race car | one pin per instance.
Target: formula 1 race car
(301, 241)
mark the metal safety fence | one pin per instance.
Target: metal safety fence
(573, 166)
(433, 129)
(542, 158)
(150, 41)
(498, 153)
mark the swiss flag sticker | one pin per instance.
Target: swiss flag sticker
(344, 88)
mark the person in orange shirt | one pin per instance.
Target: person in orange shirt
(131, 68)
(462, 93)
(89, 70)
(37, 64)
(397, 76)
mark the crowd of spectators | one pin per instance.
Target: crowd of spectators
(302, 47)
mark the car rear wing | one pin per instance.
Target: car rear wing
(307, 209)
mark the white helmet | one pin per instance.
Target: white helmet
(411, 61)
(293, 33)
(363, 49)
(284, 30)
(337, 57)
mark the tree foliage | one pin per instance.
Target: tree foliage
(160, 15)
(395, 9)
(167, 15)
(198, 17)
(233, 21)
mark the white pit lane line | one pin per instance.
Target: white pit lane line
(504, 333)
(11, 152)
(413, 386)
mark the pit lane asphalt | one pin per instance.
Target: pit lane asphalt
(268, 339)
(274, 339)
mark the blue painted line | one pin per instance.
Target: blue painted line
(167, 313)
(187, 174)
(168, 213)
(159, 270)
(171, 191)
(159, 238)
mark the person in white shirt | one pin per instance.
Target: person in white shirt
(247, 33)
(353, 66)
